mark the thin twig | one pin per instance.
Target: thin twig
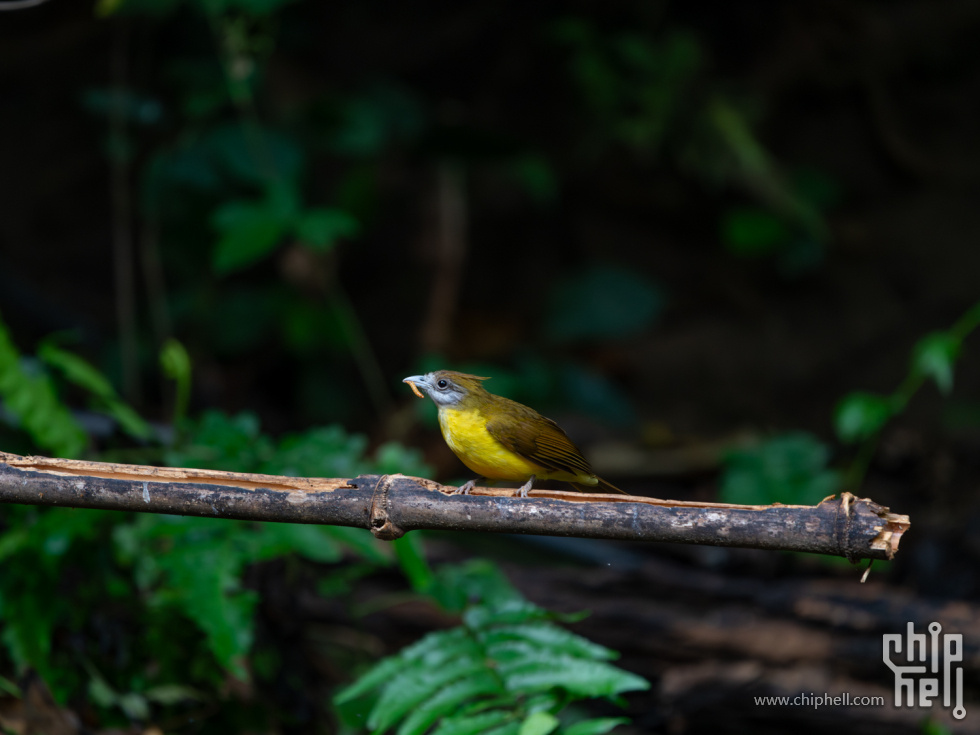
(20, 4)
(392, 505)
(447, 252)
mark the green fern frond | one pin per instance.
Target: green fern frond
(507, 669)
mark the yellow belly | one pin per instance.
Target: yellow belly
(465, 433)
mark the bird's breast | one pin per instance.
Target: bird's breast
(465, 431)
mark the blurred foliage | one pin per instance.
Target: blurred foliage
(580, 307)
(507, 669)
(860, 416)
(791, 469)
(792, 233)
(32, 403)
(253, 195)
(170, 589)
(647, 92)
(636, 86)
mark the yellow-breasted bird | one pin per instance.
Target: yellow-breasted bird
(501, 439)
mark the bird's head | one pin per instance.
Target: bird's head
(447, 388)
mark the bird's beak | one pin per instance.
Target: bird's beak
(414, 381)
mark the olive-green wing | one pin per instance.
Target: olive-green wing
(524, 431)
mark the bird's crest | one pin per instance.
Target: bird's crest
(463, 380)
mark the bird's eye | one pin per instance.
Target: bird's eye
(442, 384)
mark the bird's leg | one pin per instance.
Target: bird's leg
(524, 489)
(465, 488)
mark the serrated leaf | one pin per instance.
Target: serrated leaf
(30, 397)
(934, 356)
(411, 687)
(542, 636)
(598, 726)
(539, 723)
(204, 582)
(577, 677)
(373, 678)
(430, 650)
(478, 724)
(447, 701)
(861, 415)
(510, 611)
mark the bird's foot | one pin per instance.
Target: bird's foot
(524, 489)
(465, 488)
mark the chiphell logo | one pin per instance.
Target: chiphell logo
(924, 667)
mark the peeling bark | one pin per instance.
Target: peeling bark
(391, 505)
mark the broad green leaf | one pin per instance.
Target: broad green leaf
(598, 726)
(75, 369)
(861, 415)
(539, 723)
(751, 232)
(84, 375)
(934, 357)
(249, 230)
(320, 228)
(790, 469)
(411, 557)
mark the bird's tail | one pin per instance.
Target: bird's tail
(602, 487)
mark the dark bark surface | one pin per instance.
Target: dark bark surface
(391, 505)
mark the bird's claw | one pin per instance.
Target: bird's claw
(465, 488)
(524, 489)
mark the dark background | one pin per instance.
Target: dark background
(677, 228)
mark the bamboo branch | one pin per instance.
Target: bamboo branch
(391, 505)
